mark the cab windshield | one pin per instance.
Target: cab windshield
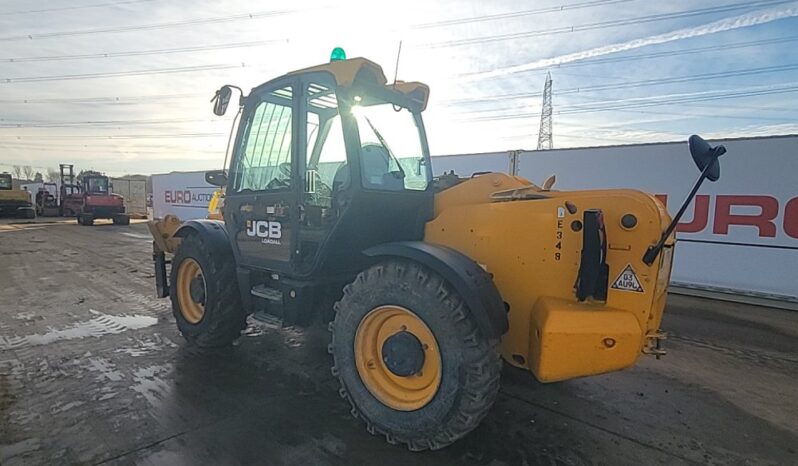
(392, 156)
(97, 185)
(5, 182)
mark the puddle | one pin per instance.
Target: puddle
(106, 369)
(137, 236)
(13, 228)
(146, 345)
(66, 407)
(293, 337)
(149, 382)
(100, 325)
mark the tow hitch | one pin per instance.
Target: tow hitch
(654, 344)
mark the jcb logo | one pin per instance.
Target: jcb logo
(270, 232)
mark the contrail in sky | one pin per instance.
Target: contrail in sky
(726, 24)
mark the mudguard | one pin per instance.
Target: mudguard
(471, 281)
(214, 230)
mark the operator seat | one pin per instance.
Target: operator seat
(376, 165)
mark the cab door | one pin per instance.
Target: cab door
(261, 199)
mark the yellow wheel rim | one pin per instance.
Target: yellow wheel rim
(191, 310)
(401, 393)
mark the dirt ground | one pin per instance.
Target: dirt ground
(93, 371)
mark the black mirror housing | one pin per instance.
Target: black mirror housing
(703, 154)
(221, 100)
(216, 178)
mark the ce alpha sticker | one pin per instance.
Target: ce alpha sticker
(268, 232)
(627, 281)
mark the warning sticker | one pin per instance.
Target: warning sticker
(627, 281)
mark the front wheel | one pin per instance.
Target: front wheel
(86, 219)
(204, 293)
(121, 219)
(410, 357)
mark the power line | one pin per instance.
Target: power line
(151, 26)
(607, 24)
(115, 74)
(643, 83)
(518, 14)
(99, 145)
(105, 99)
(5, 124)
(115, 136)
(75, 7)
(135, 53)
(117, 150)
(615, 106)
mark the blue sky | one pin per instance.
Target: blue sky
(624, 71)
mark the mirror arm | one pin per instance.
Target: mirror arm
(230, 138)
(653, 251)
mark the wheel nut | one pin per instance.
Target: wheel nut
(609, 342)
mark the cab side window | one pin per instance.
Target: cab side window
(264, 162)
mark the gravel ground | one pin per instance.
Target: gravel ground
(93, 371)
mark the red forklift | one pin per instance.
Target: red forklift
(91, 199)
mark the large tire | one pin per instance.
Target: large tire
(222, 317)
(469, 369)
(86, 219)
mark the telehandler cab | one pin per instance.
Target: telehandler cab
(331, 210)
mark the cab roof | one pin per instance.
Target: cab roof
(346, 72)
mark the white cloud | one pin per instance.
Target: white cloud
(726, 24)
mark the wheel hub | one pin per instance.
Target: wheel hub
(403, 354)
(398, 358)
(197, 290)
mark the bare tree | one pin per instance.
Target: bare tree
(17, 171)
(38, 178)
(27, 171)
(52, 175)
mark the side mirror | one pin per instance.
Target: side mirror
(216, 178)
(221, 100)
(706, 159)
(704, 155)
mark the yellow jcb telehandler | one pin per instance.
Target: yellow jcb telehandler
(331, 210)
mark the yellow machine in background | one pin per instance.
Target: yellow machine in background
(14, 202)
(329, 198)
(215, 205)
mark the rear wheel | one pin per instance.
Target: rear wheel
(410, 357)
(204, 293)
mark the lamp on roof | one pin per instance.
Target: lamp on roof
(337, 54)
